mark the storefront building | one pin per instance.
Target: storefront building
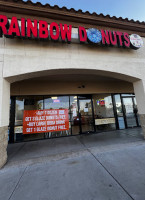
(64, 72)
(86, 114)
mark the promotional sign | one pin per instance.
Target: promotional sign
(104, 121)
(39, 29)
(100, 102)
(18, 129)
(40, 121)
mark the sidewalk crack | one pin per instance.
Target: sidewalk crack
(17, 183)
(107, 171)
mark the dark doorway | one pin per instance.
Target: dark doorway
(86, 115)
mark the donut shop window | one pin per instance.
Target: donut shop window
(40, 117)
(26, 103)
(61, 104)
(103, 112)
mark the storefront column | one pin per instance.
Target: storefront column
(4, 119)
(139, 89)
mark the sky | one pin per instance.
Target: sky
(132, 9)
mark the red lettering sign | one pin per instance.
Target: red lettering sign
(26, 28)
(119, 34)
(3, 23)
(65, 32)
(14, 28)
(126, 40)
(113, 38)
(54, 35)
(82, 34)
(32, 29)
(40, 121)
(43, 29)
(105, 37)
(23, 27)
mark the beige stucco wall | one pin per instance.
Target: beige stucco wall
(30, 87)
(4, 91)
(23, 59)
(28, 56)
(4, 109)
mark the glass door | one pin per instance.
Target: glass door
(119, 112)
(129, 111)
(136, 111)
(86, 115)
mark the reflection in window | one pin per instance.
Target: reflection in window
(26, 103)
(87, 122)
(127, 95)
(119, 111)
(74, 117)
(19, 111)
(57, 102)
(136, 111)
(103, 111)
(35, 103)
(129, 112)
(103, 106)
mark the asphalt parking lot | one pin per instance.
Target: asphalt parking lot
(105, 166)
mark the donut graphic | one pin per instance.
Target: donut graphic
(94, 35)
(136, 41)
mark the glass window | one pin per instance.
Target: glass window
(103, 112)
(136, 111)
(86, 114)
(26, 103)
(129, 112)
(57, 102)
(19, 111)
(36, 103)
(119, 111)
(74, 116)
(33, 103)
(127, 95)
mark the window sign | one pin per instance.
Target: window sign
(86, 110)
(18, 129)
(100, 102)
(56, 101)
(40, 121)
(105, 121)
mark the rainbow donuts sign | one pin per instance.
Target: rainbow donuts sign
(110, 38)
(40, 29)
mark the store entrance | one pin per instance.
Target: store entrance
(86, 118)
(81, 114)
(130, 112)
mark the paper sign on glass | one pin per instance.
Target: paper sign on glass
(40, 121)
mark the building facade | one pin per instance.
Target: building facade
(64, 72)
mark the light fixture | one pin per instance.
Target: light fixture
(75, 97)
(53, 97)
(82, 86)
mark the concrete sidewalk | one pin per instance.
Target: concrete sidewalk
(29, 152)
(106, 166)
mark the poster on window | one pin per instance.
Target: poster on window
(40, 121)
